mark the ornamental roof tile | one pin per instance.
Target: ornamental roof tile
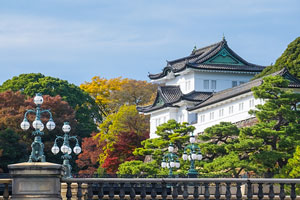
(198, 58)
(171, 95)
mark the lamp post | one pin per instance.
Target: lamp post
(192, 153)
(170, 160)
(37, 153)
(65, 148)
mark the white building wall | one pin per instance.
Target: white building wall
(234, 110)
(223, 80)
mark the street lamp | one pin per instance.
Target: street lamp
(170, 160)
(37, 153)
(65, 148)
(192, 153)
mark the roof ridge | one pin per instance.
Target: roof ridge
(209, 46)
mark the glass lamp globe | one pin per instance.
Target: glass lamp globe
(184, 156)
(168, 165)
(163, 164)
(194, 156)
(38, 99)
(25, 125)
(170, 148)
(199, 156)
(177, 164)
(77, 149)
(55, 149)
(69, 151)
(189, 158)
(66, 127)
(42, 127)
(50, 125)
(37, 124)
(192, 139)
(64, 149)
(172, 164)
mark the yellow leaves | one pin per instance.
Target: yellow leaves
(101, 89)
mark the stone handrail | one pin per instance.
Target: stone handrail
(6, 182)
(182, 188)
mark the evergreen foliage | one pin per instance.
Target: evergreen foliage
(289, 59)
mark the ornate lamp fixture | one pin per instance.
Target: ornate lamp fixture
(170, 160)
(66, 149)
(192, 152)
(37, 153)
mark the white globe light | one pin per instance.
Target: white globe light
(199, 157)
(38, 99)
(168, 165)
(77, 149)
(50, 125)
(170, 149)
(172, 164)
(194, 156)
(25, 125)
(189, 158)
(177, 164)
(66, 127)
(42, 127)
(192, 139)
(55, 149)
(64, 149)
(163, 164)
(184, 156)
(69, 150)
(37, 124)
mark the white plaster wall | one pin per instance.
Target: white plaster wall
(182, 80)
(160, 117)
(236, 116)
(223, 80)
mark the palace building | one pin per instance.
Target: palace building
(210, 85)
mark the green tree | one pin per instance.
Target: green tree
(155, 148)
(12, 148)
(87, 112)
(277, 133)
(289, 59)
(138, 168)
(223, 153)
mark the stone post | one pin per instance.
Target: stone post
(36, 181)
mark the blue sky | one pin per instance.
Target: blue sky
(77, 39)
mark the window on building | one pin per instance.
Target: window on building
(181, 118)
(241, 106)
(211, 115)
(251, 103)
(234, 83)
(213, 84)
(206, 84)
(221, 112)
(187, 85)
(242, 82)
(202, 118)
(165, 120)
(230, 109)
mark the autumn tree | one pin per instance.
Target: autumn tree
(127, 119)
(13, 106)
(110, 94)
(123, 149)
(86, 111)
(88, 160)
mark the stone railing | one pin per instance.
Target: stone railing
(5, 183)
(179, 188)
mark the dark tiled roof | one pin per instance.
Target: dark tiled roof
(243, 88)
(171, 95)
(198, 58)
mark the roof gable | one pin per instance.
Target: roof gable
(223, 57)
